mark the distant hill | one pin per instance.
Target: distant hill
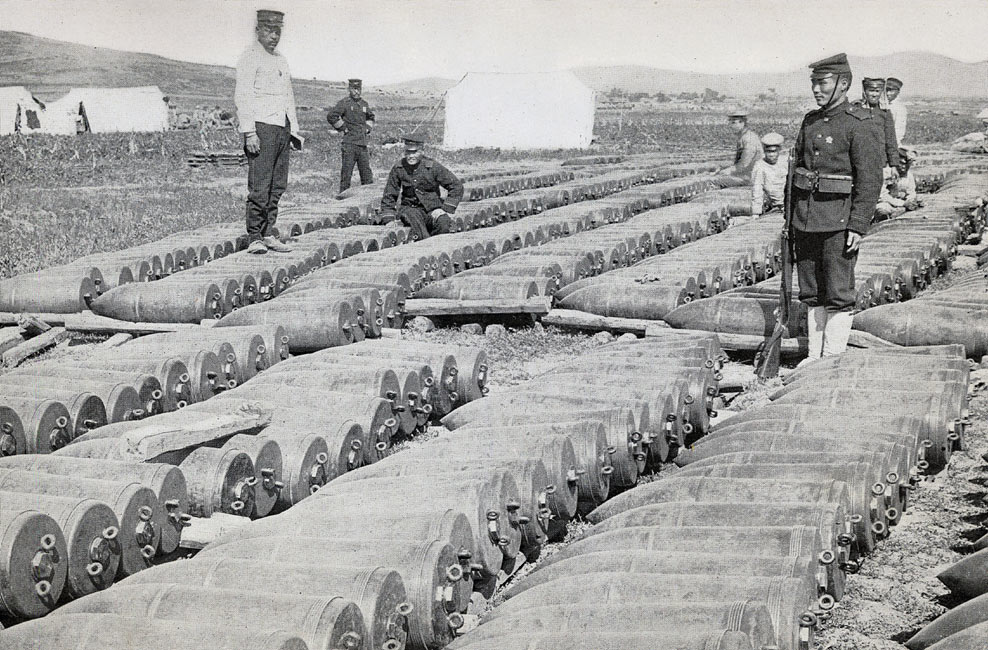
(424, 86)
(49, 68)
(924, 74)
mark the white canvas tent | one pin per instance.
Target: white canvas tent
(19, 111)
(541, 110)
(110, 110)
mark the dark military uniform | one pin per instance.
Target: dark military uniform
(886, 127)
(417, 186)
(355, 113)
(842, 144)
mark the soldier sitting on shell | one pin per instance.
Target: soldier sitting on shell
(899, 194)
(768, 178)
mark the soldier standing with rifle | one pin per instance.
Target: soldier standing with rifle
(835, 185)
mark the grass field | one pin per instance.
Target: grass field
(62, 197)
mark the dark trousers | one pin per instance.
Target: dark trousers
(825, 270)
(267, 178)
(355, 154)
(422, 224)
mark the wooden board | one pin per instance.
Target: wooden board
(746, 342)
(117, 340)
(585, 321)
(159, 438)
(14, 356)
(10, 337)
(450, 307)
(90, 322)
(790, 346)
(31, 325)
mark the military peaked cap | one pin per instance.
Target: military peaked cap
(772, 140)
(270, 17)
(836, 64)
(354, 83)
(413, 141)
(738, 112)
(893, 83)
(908, 153)
(870, 83)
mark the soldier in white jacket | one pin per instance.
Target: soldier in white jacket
(266, 112)
(899, 113)
(768, 177)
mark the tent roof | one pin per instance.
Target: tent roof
(140, 108)
(502, 82)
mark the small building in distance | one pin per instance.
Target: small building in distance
(109, 110)
(20, 111)
(539, 110)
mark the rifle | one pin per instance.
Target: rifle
(769, 353)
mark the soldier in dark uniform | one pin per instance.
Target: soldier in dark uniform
(838, 178)
(873, 99)
(416, 180)
(353, 117)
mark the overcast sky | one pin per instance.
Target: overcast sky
(385, 41)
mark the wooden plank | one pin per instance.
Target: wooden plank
(14, 356)
(972, 250)
(116, 340)
(865, 340)
(450, 307)
(10, 337)
(32, 325)
(202, 531)
(171, 434)
(586, 321)
(145, 443)
(87, 321)
(750, 342)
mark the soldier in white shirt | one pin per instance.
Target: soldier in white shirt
(266, 112)
(898, 109)
(768, 177)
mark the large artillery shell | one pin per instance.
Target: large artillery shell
(961, 617)
(90, 529)
(114, 632)
(166, 481)
(724, 490)
(171, 303)
(34, 565)
(437, 581)
(320, 622)
(378, 592)
(51, 292)
(45, 423)
(219, 480)
(310, 326)
(136, 507)
(967, 577)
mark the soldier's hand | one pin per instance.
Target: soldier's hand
(853, 241)
(252, 144)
